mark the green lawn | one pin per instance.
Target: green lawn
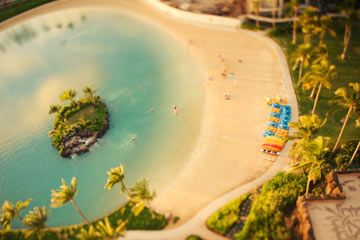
(91, 113)
(348, 71)
(12, 11)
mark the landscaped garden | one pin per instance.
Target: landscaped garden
(323, 55)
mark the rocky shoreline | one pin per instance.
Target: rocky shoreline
(81, 142)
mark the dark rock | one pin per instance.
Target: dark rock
(82, 141)
(302, 222)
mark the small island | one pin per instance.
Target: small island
(78, 124)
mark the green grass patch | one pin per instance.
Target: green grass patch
(224, 218)
(266, 219)
(348, 71)
(15, 9)
(194, 237)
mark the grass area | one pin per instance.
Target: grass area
(223, 219)
(16, 9)
(348, 71)
(144, 221)
(90, 112)
(266, 219)
(194, 237)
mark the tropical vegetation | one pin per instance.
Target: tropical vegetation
(139, 195)
(135, 214)
(87, 114)
(319, 60)
(224, 218)
(277, 198)
(65, 194)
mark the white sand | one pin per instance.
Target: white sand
(226, 155)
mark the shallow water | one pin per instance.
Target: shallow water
(135, 67)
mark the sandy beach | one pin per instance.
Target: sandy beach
(226, 154)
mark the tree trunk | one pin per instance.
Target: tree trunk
(300, 72)
(273, 14)
(79, 211)
(347, 36)
(307, 186)
(356, 150)
(313, 92)
(342, 128)
(294, 35)
(316, 99)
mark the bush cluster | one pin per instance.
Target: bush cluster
(224, 218)
(266, 219)
(344, 153)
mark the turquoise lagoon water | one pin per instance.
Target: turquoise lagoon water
(135, 67)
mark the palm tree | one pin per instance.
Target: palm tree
(312, 159)
(89, 92)
(141, 196)
(323, 27)
(320, 76)
(9, 212)
(36, 219)
(88, 234)
(117, 175)
(69, 94)
(54, 109)
(108, 232)
(314, 25)
(357, 124)
(294, 7)
(348, 8)
(307, 22)
(273, 12)
(256, 9)
(348, 99)
(301, 58)
(306, 127)
(65, 194)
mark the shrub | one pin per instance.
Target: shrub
(224, 218)
(193, 237)
(344, 154)
(266, 219)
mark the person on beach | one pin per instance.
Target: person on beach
(175, 110)
(224, 73)
(227, 96)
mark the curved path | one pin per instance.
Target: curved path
(225, 161)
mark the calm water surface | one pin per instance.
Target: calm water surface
(135, 67)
